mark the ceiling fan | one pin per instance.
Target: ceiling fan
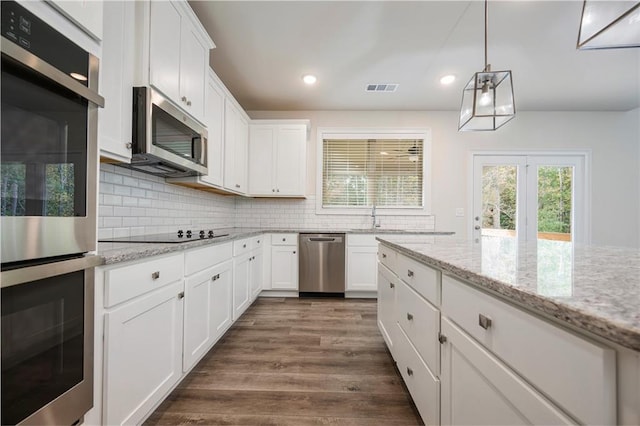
(412, 153)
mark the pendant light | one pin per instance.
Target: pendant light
(609, 24)
(487, 100)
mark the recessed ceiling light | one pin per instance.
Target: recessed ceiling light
(447, 79)
(309, 79)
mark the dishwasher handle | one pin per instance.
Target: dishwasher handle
(325, 239)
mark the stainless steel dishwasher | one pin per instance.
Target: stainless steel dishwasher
(321, 269)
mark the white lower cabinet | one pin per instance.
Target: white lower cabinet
(479, 389)
(208, 310)
(255, 273)
(143, 354)
(241, 274)
(247, 273)
(284, 262)
(362, 259)
(387, 283)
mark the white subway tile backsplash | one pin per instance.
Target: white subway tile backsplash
(133, 203)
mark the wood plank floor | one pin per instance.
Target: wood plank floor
(295, 362)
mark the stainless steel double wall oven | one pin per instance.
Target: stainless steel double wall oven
(48, 185)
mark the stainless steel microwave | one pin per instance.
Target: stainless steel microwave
(165, 141)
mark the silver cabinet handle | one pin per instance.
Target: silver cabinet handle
(442, 338)
(484, 322)
(181, 295)
(284, 239)
(409, 371)
(392, 285)
(128, 145)
(409, 316)
(155, 275)
(277, 190)
(244, 246)
(409, 273)
(384, 255)
(183, 99)
(258, 241)
(237, 186)
(273, 190)
(215, 277)
(477, 227)
(294, 252)
(188, 103)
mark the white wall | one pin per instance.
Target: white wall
(612, 138)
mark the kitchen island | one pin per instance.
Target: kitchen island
(553, 327)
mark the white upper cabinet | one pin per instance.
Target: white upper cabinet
(179, 55)
(214, 120)
(236, 139)
(87, 14)
(116, 81)
(277, 158)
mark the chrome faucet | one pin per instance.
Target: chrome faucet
(374, 224)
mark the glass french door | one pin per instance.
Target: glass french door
(530, 197)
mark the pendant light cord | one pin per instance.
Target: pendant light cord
(487, 67)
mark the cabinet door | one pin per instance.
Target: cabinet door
(479, 389)
(242, 152)
(143, 354)
(221, 315)
(256, 273)
(284, 268)
(214, 119)
(164, 61)
(386, 305)
(117, 77)
(362, 268)
(197, 307)
(231, 116)
(291, 160)
(241, 273)
(86, 14)
(261, 159)
(194, 61)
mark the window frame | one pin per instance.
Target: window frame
(374, 133)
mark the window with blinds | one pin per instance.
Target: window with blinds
(372, 172)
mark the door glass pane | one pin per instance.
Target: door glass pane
(499, 211)
(555, 192)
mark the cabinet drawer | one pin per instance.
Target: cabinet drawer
(127, 282)
(425, 280)
(578, 374)
(421, 323)
(423, 386)
(241, 246)
(387, 257)
(361, 240)
(284, 239)
(198, 259)
(257, 242)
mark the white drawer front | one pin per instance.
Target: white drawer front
(361, 240)
(578, 374)
(284, 239)
(421, 322)
(241, 246)
(127, 282)
(425, 280)
(387, 257)
(201, 258)
(257, 242)
(423, 386)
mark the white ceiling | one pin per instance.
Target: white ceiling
(264, 48)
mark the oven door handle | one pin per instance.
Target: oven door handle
(46, 270)
(30, 60)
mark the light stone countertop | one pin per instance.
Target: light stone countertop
(124, 252)
(594, 288)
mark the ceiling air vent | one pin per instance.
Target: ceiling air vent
(388, 87)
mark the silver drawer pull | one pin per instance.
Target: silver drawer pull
(409, 316)
(484, 322)
(155, 275)
(244, 246)
(409, 371)
(384, 255)
(409, 273)
(392, 285)
(284, 239)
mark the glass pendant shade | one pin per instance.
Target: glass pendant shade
(609, 24)
(487, 101)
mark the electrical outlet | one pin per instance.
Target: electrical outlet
(459, 212)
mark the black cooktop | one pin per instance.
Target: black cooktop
(168, 238)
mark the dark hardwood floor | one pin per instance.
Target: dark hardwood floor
(295, 362)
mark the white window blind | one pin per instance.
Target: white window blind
(368, 172)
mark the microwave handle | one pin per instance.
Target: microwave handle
(31, 61)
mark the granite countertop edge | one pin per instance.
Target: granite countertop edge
(114, 253)
(598, 325)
